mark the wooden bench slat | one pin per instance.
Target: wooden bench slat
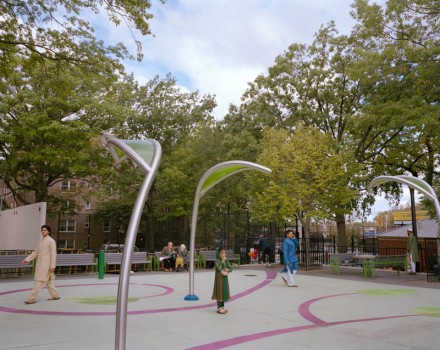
(87, 259)
(211, 255)
(137, 258)
(13, 261)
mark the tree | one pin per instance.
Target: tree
(162, 111)
(59, 85)
(308, 180)
(400, 70)
(47, 130)
(311, 84)
(57, 30)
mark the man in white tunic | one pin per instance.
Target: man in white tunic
(46, 255)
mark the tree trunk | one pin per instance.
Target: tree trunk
(342, 237)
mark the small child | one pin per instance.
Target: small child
(221, 283)
(181, 257)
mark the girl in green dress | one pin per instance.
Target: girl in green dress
(221, 284)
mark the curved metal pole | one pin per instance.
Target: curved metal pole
(412, 182)
(192, 243)
(202, 188)
(124, 277)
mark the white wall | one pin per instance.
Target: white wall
(20, 227)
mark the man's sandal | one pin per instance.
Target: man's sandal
(57, 298)
(30, 302)
(222, 311)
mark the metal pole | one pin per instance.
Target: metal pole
(124, 279)
(413, 212)
(3, 191)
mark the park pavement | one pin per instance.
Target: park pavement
(325, 312)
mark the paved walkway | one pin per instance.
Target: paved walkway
(325, 312)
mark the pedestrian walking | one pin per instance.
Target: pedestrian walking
(290, 245)
(46, 255)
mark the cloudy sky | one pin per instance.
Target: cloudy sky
(218, 46)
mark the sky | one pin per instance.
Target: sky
(218, 46)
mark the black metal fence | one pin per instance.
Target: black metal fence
(237, 231)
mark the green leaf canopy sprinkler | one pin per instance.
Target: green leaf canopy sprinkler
(209, 179)
(145, 154)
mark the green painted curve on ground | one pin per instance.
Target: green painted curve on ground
(431, 311)
(387, 292)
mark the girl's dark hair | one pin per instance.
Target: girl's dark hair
(47, 227)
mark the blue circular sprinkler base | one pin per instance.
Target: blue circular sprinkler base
(191, 297)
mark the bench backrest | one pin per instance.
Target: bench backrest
(76, 259)
(12, 261)
(342, 256)
(116, 258)
(390, 259)
(113, 258)
(139, 257)
(230, 254)
(211, 255)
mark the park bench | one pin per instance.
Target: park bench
(433, 269)
(211, 256)
(233, 258)
(158, 264)
(12, 263)
(341, 259)
(74, 260)
(397, 262)
(138, 258)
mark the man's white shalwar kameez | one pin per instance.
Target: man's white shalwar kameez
(46, 255)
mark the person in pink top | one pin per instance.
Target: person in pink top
(46, 255)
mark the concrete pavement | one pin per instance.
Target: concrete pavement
(325, 312)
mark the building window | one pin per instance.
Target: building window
(67, 226)
(87, 224)
(88, 206)
(107, 226)
(68, 186)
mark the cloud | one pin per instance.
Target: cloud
(219, 46)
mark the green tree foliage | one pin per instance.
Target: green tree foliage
(46, 131)
(60, 88)
(400, 74)
(162, 111)
(58, 30)
(309, 179)
(182, 123)
(311, 84)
